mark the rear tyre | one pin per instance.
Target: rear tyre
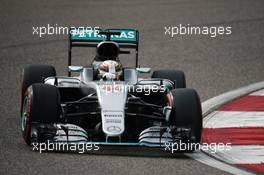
(34, 74)
(41, 104)
(186, 112)
(173, 75)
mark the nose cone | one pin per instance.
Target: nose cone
(112, 99)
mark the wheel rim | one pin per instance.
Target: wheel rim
(25, 123)
(25, 116)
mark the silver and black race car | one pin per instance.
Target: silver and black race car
(107, 103)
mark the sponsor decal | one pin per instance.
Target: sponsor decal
(114, 129)
(112, 121)
(113, 117)
(125, 35)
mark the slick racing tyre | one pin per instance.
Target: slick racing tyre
(173, 75)
(34, 74)
(41, 105)
(186, 112)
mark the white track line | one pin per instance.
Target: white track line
(230, 119)
(203, 158)
(242, 154)
(215, 102)
(258, 93)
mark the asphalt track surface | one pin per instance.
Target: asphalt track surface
(212, 66)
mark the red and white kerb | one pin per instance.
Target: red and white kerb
(241, 123)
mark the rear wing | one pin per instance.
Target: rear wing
(81, 37)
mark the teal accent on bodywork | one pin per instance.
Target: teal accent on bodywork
(169, 86)
(126, 36)
(115, 143)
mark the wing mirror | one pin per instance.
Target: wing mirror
(75, 68)
(143, 69)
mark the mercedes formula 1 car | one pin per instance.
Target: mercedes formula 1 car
(107, 103)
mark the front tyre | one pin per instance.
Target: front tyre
(41, 104)
(186, 111)
(34, 74)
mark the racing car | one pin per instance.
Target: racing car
(105, 102)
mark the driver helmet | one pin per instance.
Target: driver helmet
(110, 70)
